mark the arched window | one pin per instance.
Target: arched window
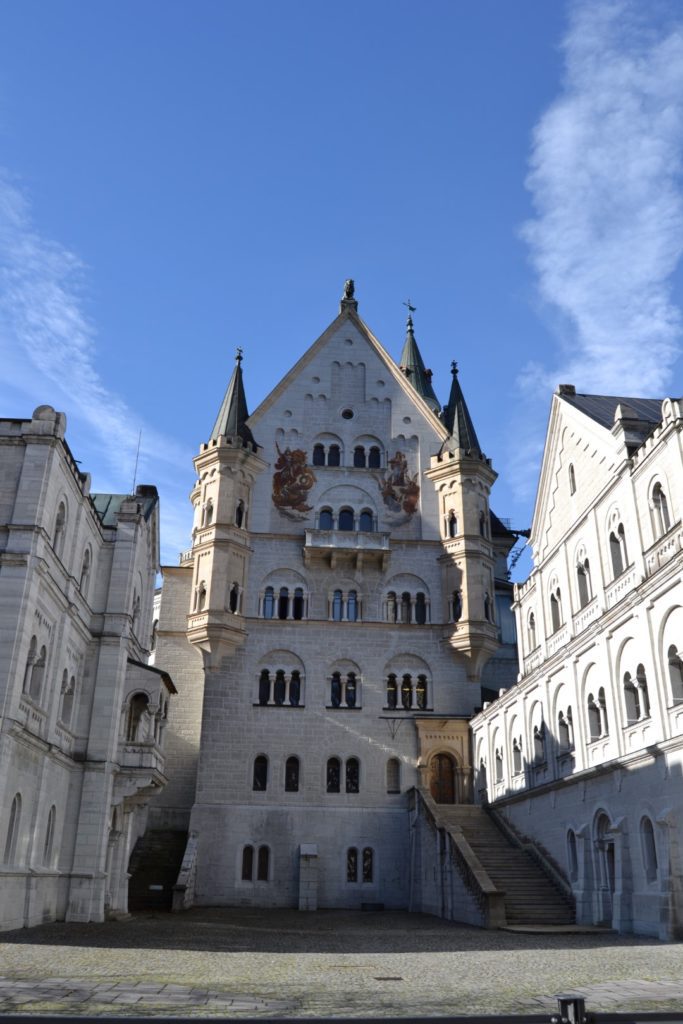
(295, 688)
(248, 864)
(260, 776)
(298, 604)
(49, 837)
(660, 508)
(30, 662)
(352, 864)
(350, 690)
(368, 865)
(264, 687)
(283, 603)
(337, 606)
(531, 632)
(200, 600)
(333, 775)
(292, 775)
(352, 606)
(617, 549)
(631, 699)
(336, 690)
(482, 524)
(407, 691)
(392, 691)
(136, 724)
(366, 521)
(649, 848)
(641, 683)
(517, 756)
(325, 521)
(334, 455)
(595, 720)
(374, 458)
(268, 603)
(562, 732)
(346, 519)
(452, 525)
(556, 609)
(675, 673)
(234, 598)
(12, 831)
(38, 675)
(60, 530)
(393, 775)
(67, 694)
(279, 688)
(85, 573)
(359, 457)
(539, 744)
(318, 455)
(499, 764)
(420, 609)
(421, 692)
(262, 864)
(602, 707)
(352, 775)
(487, 607)
(209, 513)
(405, 606)
(572, 858)
(392, 607)
(239, 514)
(583, 580)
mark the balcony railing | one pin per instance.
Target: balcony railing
(585, 615)
(663, 551)
(621, 586)
(557, 640)
(357, 546)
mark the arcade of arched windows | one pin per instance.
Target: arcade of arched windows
(407, 691)
(659, 511)
(344, 605)
(347, 519)
(344, 689)
(284, 602)
(281, 687)
(366, 455)
(407, 607)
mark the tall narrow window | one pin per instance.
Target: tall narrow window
(421, 692)
(556, 610)
(352, 606)
(325, 519)
(333, 776)
(392, 691)
(49, 837)
(359, 457)
(264, 687)
(647, 835)
(531, 631)
(268, 603)
(279, 688)
(262, 864)
(295, 688)
(68, 693)
(631, 699)
(283, 603)
(482, 524)
(499, 764)
(572, 479)
(30, 662)
(351, 690)
(675, 673)
(366, 521)
(234, 598)
(617, 549)
(60, 527)
(352, 864)
(337, 606)
(405, 606)
(517, 756)
(85, 573)
(298, 604)
(201, 597)
(456, 605)
(247, 863)
(239, 514)
(539, 744)
(593, 717)
(368, 858)
(38, 675)
(393, 775)
(452, 525)
(644, 697)
(583, 581)
(420, 609)
(562, 732)
(260, 777)
(374, 458)
(318, 455)
(572, 858)
(12, 831)
(407, 691)
(392, 607)
(335, 692)
(292, 775)
(209, 513)
(137, 718)
(602, 708)
(352, 775)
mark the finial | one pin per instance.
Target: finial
(349, 288)
(238, 356)
(454, 368)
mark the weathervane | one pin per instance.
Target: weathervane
(238, 356)
(411, 309)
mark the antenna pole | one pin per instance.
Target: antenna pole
(137, 456)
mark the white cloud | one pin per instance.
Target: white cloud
(47, 346)
(605, 183)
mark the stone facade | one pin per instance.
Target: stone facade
(339, 609)
(82, 714)
(585, 754)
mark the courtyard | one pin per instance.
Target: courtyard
(282, 963)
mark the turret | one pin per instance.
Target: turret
(226, 466)
(412, 366)
(463, 478)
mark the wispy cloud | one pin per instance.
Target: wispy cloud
(47, 344)
(605, 181)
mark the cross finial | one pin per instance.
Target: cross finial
(411, 309)
(238, 356)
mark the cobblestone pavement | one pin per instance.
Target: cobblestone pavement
(277, 963)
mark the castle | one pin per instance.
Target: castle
(341, 638)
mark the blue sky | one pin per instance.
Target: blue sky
(178, 179)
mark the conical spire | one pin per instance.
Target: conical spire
(457, 419)
(412, 365)
(233, 413)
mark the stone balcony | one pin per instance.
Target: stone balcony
(558, 639)
(663, 550)
(533, 659)
(350, 548)
(621, 586)
(586, 615)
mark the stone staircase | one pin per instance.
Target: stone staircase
(154, 867)
(531, 898)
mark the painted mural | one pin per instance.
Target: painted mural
(400, 491)
(292, 481)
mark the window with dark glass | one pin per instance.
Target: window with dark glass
(283, 603)
(295, 688)
(247, 863)
(325, 521)
(366, 521)
(352, 775)
(335, 691)
(264, 687)
(333, 775)
(392, 691)
(262, 864)
(352, 606)
(268, 603)
(292, 775)
(352, 864)
(351, 690)
(367, 864)
(337, 606)
(333, 455)
(359, 457)
(279, 687)
(318, 455)
(298, 604)
(374, 458)
(260, 782)
(346, 519)
(421, 692)
(420, 609)
(407, 691)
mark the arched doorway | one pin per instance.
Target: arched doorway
(605, 869)
(443, 779)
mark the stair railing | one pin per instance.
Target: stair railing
(545, 862)
(183, 890)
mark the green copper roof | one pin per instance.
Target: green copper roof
(412, 365)
(457, 419)
(233, 414)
